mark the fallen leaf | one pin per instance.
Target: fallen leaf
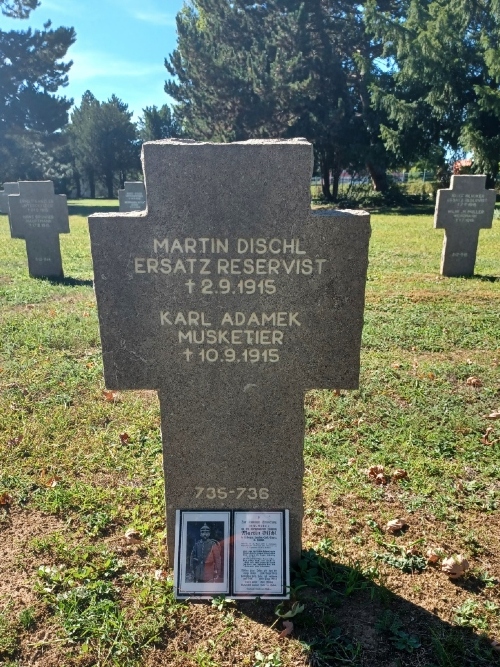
(373, 471)
(351, 462)
(296, 609)
(395, 525)
(396, 365)
(493, 415)
(455, 566)
(329, 427)
(399, 473)
(15, 441)
(110, 395)
(85, 314)
(133, 536)
(431, 376)
(432, 556)
(6, 498)
(124, 438)
(160, 575)
(52, 482)
(336, 392)
(380, 478)
(485, 440)
(473, 381)
(287, 629)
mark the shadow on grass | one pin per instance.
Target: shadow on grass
(484, 279)
(349, 619)
(67, 281)
(87, 209)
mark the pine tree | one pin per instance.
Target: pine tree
(445, 79)
(103, 141)
(31, 114)
(158, 124)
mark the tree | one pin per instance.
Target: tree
(445, 77)
(103, 141)
(31, 115)
(282, 68)
(158, 124)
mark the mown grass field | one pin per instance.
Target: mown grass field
(78, 468)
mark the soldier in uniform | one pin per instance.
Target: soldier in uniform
(205, 560)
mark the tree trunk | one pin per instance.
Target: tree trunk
(109, 185)
(91, 178)
(325, 179)
(78, 184)
(335, 184)
(378, 177)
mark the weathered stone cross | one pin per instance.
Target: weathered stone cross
(462, 211)
(231, 300)
(8, 189)
(38, 216)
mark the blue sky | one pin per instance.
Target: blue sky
(120, 46)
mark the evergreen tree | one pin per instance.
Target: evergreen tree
(445, 78)
(281, 68)
(31, 115)
(103, 141)
(158, 124)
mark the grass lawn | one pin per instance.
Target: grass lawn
(79, 467)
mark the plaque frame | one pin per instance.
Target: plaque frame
(191, 583)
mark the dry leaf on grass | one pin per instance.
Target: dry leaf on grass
(432, 556)
(15, 441)
(329, 427)
(473, 381)
(399, 473)
(351, 461)
(124, 438)
(133, 536)
(6, 499)
(376, 473)
(287, 629)
(395, 525)
(493, 415)
(160, 575)
(455, 566)
(110, 395)
(485, 440)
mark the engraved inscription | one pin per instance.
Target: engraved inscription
(222, 492)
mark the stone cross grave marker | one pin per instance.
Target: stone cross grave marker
(8, 189)
(38, 216)
(231, 301)
(462, 210)
(132, 197)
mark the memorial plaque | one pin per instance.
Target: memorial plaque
(8, 189)
(132, 197)
(231, 302)
(260, 547)
(38, 216)
(462, 210)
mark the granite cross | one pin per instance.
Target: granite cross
(231, 300)
(8, 189)
(462, 211)
(132, 197)
(38, 216)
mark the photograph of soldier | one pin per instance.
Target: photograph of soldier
(206, 556)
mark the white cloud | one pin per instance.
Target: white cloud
(88, 65)
(158, 18)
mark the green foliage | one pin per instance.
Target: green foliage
(8, 635)
(403, 560)
(103, 141)
(158, 124)
(270, 660)
(391, 625)
(31, 115)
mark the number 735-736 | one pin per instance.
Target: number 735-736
(222, 492)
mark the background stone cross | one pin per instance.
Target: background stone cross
(462, 211)
(8, 189)
(132, 197)
(231, 300)
(38, 216)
